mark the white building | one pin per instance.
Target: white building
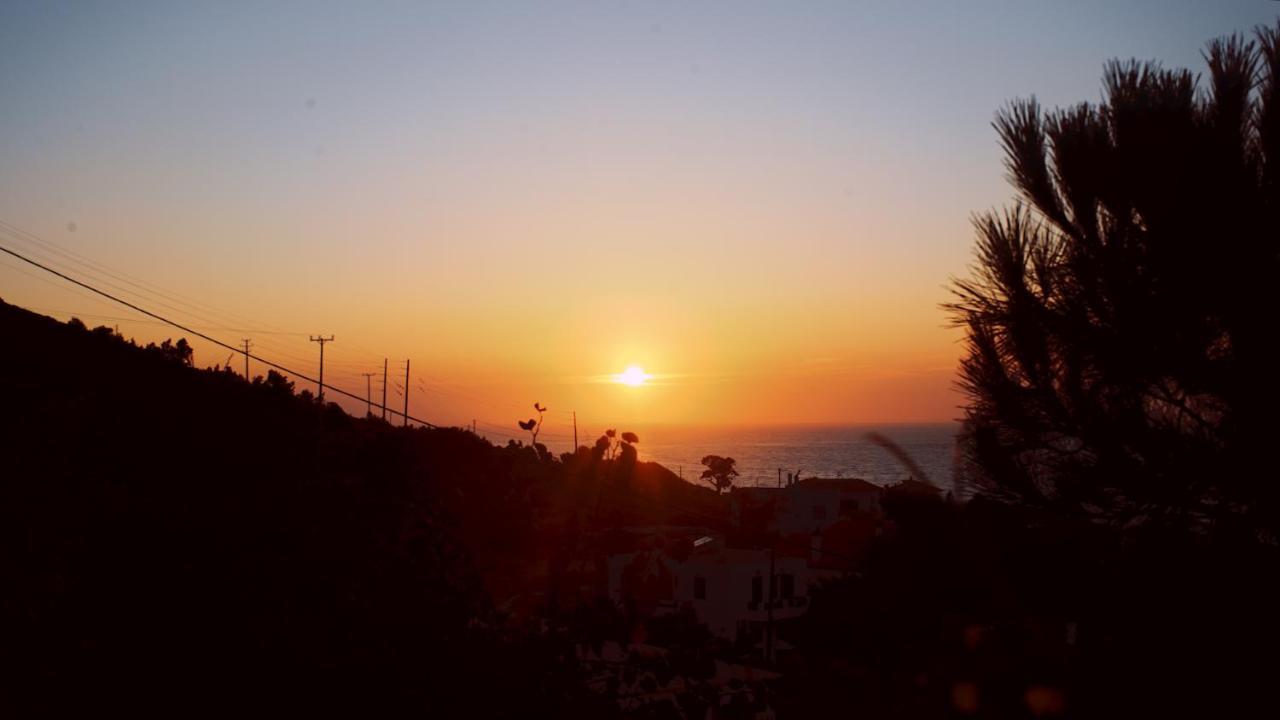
(808, 506)
(728, 588)
(816, 527)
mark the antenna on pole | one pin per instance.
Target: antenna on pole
(322, 340)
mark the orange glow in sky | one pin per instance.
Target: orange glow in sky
(762, 206)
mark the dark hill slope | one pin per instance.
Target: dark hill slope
(176, 535)
(180, 539)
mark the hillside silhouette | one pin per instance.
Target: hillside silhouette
(185, 540)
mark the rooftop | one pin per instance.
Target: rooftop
(845, 484)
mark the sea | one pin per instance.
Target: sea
(813, 451)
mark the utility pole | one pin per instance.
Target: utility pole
(575, 432)
(779, 477)
(384, 388)
(368, 392)
(322, 340)
(406, 392)
(246, 357)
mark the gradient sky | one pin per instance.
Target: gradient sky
(759, 203)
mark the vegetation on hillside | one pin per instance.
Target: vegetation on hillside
(183, 538)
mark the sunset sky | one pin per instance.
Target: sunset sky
(760, 204)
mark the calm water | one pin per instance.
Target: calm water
(842, 451)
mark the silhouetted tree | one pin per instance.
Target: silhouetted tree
(620, 447)
(276, 384)
(1121, 338)
(180, 352)
(720, 472)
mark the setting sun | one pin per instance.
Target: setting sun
(633, 375)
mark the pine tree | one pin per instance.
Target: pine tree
(1121, 317)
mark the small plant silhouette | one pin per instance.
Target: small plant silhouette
(612, 444)
(533, 425)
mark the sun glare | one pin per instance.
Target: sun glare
(633, 376)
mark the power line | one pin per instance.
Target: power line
(92, 271)
(203, 318)
(49, 264)
(78, 259)
(119, 318)
(184, 328)
(274, 348)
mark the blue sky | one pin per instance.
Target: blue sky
(412, 174)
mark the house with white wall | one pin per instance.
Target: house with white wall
(808, 506)
(728, 588)
(810, 531)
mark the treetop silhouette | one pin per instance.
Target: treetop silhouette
(1121, 356)
(720, 472)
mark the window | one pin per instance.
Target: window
(699, 588)
(788, 585)
(757, 589)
